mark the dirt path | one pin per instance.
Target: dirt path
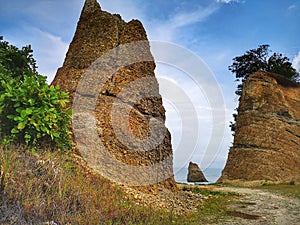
(250, 207)
(262, 207)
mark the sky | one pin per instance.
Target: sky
(215, 31)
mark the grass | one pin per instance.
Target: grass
(38, 188)
(54, 186)
(214, 209)
(289, 189)
(206, 191)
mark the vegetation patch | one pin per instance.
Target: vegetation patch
(289, 189)
(214, 208)
(207, 191)
(31, 112)
(57, 186)
(38, 188)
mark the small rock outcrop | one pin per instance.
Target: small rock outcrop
(126, 107)
(267, 138)
(195, 174)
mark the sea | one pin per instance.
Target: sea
(211, 174)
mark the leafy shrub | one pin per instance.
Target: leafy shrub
(31, 112)
(16, 61)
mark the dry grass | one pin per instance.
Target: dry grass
(36, 188)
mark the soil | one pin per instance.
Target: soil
(256, 206)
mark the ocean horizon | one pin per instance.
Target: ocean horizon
(211, 174)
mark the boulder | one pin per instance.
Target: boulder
(195, 174)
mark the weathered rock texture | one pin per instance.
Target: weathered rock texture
(267, 139)
(97, 33)
(195, 174)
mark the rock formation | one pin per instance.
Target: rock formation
(127, 107)
(267, 139)
(195, 174)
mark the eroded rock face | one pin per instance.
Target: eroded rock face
(267, 139)
(195, 174)
(95, 49)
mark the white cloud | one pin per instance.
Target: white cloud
(291, 7)
(199, 117)
(49, 50)
(166, 30)
(296, 62)
(199, 15)
(227, 1)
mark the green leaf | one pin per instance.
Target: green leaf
(62, 103)
(27, 136)
(14, 131)
(28, 111)
(44, 129)
(11, 117)
(23, 113)
(31, 102)
(8, 87)
(17, 105)
(56, 135)
(18, 110)
(21, 125)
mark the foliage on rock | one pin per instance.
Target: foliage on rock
(255, 60)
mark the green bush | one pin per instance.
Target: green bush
(31, 112)
(16, 61)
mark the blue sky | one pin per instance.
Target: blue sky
(215, 30)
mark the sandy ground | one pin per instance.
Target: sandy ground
(262, 207)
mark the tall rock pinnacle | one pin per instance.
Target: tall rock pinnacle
(90, 6)
(126, 125)
(267, 140)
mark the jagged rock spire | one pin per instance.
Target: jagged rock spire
(98, 32)
(90, 6)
